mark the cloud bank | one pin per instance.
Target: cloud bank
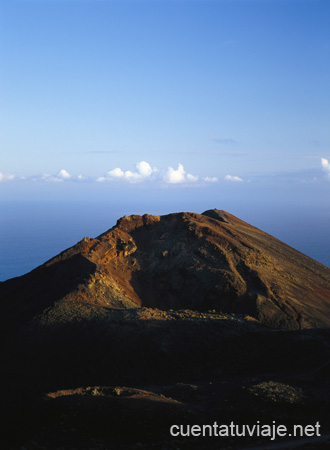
(143, 172)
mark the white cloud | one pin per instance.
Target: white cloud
(115, 173)
(232, 178)
(211, 179)
(175, 176)
(326, 165)
(144, 171)
(61, 176)
(64, 174)
(132, 176)
(179, 175)
(4, 177)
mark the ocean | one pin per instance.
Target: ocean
(32, 233)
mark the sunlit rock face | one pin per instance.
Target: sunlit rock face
(209, 261)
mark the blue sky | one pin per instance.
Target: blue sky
(119, 107)
(198, 99)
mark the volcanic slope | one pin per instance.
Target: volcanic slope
(209, 261)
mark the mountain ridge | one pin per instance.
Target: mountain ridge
(208, 261)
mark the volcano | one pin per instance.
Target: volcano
(178, 319)
(210, 261)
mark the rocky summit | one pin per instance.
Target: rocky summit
(209, 261)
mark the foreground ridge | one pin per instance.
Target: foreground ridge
(165, 320)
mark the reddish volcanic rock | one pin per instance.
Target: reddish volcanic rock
(180, 261)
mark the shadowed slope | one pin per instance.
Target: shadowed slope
(117, 332)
